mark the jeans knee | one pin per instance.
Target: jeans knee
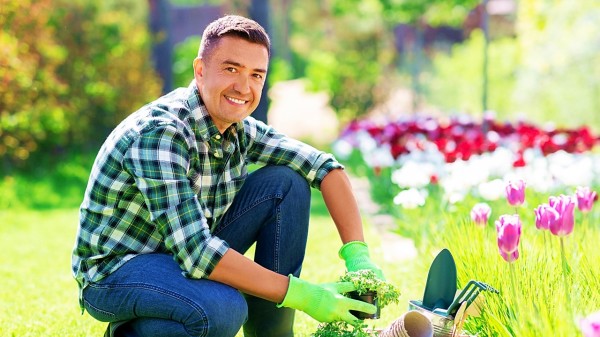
(295, 183)
(224, 319)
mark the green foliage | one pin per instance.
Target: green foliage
(73, 70)
(559, 71)
(183, 57)
(109, 72)
(436, 12)
(279, 70)
(51, 185)
(528, 74)
(456, 82)
(348, 50)
(342, 329)
(365, 281)
(31, 111)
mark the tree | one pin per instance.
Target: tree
(71, 69)
(259, 12)
(31, 110)
(344, 49)
(419, 14)
(559, 70)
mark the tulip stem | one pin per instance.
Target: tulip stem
(566, 271)
(545, 241)
(513, 286)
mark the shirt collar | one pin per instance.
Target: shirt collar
(204, 127)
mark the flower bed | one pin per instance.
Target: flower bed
(444, 180)
(464, 157)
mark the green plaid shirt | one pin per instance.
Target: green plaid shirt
(164, 178)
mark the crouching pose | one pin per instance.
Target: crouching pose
(170, 209)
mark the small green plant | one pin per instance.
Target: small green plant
(364, 281)
(343, 329)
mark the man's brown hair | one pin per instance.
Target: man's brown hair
(233, 25)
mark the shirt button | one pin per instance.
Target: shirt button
(207, 213)
(217, 154)
(218, 136)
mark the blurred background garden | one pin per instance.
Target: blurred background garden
(435, 105)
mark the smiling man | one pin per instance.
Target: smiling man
(170, 209)
(230, 79)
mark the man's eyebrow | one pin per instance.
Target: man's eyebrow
(237, 64)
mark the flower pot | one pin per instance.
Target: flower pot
(369, 297)
(443, 326)
(411, 324)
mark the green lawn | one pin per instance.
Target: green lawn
(38, 296)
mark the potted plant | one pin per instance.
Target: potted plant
(369, 289)
(372, 290)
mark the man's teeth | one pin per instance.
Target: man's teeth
(236, 101)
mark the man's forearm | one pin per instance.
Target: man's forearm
(238, 271)
(341, 203)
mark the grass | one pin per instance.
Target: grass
(537, 296)
(53, 183)
(38, 296)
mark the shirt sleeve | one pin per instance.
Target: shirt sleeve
(266, 145)
(158, 161)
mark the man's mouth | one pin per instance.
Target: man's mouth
(236, 100)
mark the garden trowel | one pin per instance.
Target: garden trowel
(441, 282)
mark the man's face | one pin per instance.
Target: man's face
(231, 78)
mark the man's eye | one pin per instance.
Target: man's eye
(231, 69)
(258, 76)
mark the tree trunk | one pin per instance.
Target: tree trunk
(259, 12)
(162, 49)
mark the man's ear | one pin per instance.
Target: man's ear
(198, 68)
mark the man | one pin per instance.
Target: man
(170, 208)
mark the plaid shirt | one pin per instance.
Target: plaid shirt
(164, 178)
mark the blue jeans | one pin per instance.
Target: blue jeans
(148, 295)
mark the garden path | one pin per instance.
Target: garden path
(394, 247)
(304, 115)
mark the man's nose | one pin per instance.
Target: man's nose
(242, 85)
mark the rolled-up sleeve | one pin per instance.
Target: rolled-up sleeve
(268, 146)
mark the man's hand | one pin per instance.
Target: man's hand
(356, 256)
(324, 302)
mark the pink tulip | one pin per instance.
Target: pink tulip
(585, 199)
(565, 206)
(590, 326)
(515, 192)
(480, 213)
(511, 257)
(508, 228)
(545, 216)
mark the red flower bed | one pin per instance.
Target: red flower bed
(461, 137)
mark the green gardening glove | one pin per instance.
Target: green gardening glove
(356, 256)
(324, 302)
